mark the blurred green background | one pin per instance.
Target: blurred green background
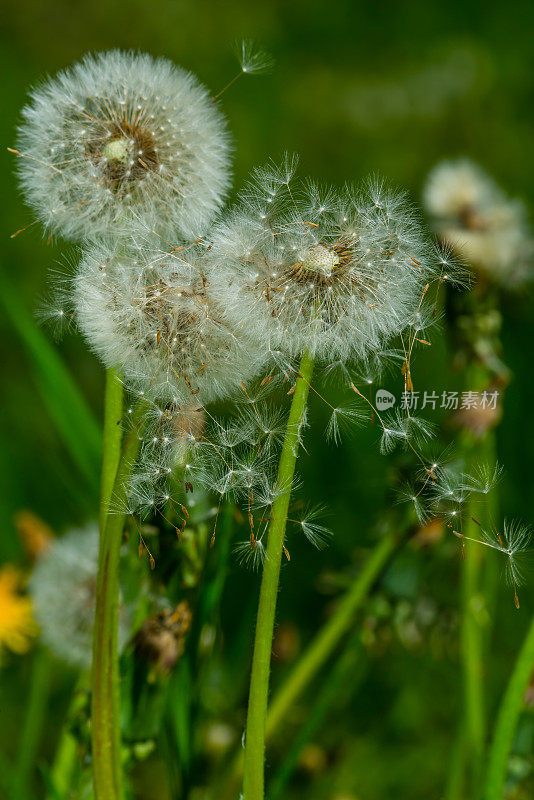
(357, 88)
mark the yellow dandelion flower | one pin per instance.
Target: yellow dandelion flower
(17, 624)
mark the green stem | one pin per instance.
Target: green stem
(324, 644)
(472, 649)
(253, 774)
(322, 647)
(113, 401)
(454, 789)
(474, 631)
(67, 756)
(347, 673)
(507, 719)
(33, 723)
(105, 711)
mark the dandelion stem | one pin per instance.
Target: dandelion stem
(113, 400)
(475, 617)
(105, 726)
(253, 774)
(324, 644)
(472, 649)
(507, 719)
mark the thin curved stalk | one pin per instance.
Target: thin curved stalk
(113, 402)
(105, 697)
(507, 719)
(63, 771)
(348, 671)
(32, 729)
(322, 647)
(253, 773)
(472, 642)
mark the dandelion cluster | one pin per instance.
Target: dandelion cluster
(130, 156)
(63, 591)
(475, 217)
(122, 140)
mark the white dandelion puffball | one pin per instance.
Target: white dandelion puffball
(477, 219)
(336, 275)
(151, 314)
(123, 139)
(63, 591)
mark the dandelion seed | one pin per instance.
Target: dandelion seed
(342, 418)
(514, 541)
(409, 494)
(251, 554)
(317, 534)
(252, 59)
(484, 479)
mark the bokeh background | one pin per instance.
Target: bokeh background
(357, 88)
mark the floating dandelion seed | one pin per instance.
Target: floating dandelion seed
(514, 541)
(417, 499)
(316, 533)
(342, 418)
(252, 59)
(484, 479)
(121, 141)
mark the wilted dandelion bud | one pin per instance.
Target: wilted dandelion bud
(153, 315)
(334, 274)
(474, 216)
(63, 592)
(161, 638)
(121, 139)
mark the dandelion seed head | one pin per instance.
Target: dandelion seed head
(151, 313)
(302, 268)
(63, 592)
(476, 219)
(122, 140)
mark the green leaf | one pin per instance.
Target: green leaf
(74, 420)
